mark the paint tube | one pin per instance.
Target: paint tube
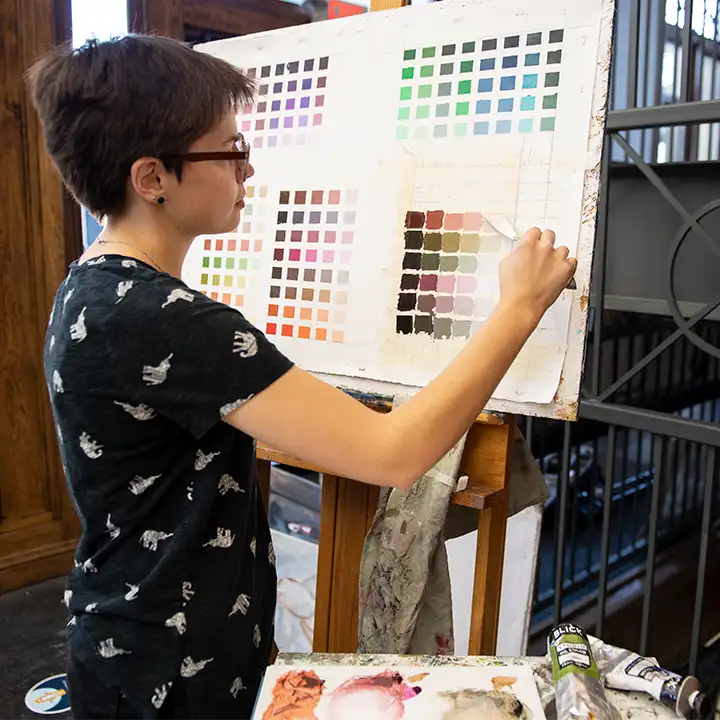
(625, 670)
(579, 692)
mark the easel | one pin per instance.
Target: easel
(348, 507)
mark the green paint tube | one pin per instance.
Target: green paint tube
(579, 692)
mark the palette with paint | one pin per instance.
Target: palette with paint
(398, 156)
(334, 692)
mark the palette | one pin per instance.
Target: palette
(336, 692)
(401, 156)
(498, 85)
(290, 103)
(311, 266)
(440, 291)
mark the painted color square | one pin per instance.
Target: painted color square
(512, 41)
(324, 62)
(294, 256)
(440, 131)
(408, 73)
(446, 284)
(317, 197)
(329, 237)
(487, 64)
(507, 82)
(448, 50)
(409, 55)
(428, 282)
(550, 102)
(534, 39)
(473, 221)
(482, 107)
(527, 103)
(503, 127)
(446, 69)
(554, 57)
(505, 105)
(428, 52)
(532, 59)
(464, 87)
(402, 132)
(552, 79)
(489, 45)
(427, 71)
(466, 66)
(462, 108)
(444, 89)
(317, 120)
(454, 221)
(547, 124)
(406, 93)
(442, 110)
(292, 86)
(434, 219)
(425, 91)
(307, 84)
(481, 128)
(461, 130)
(347, 237)
(556, 36)
(422, 112)
(468, 47)
(510, 61)
(485, 85)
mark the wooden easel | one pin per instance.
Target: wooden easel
(348, 507)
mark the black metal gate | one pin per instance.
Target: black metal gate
(637, 474)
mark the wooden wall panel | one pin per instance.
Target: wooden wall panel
(235, 17)
(37, 524)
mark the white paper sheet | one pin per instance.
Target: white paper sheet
(490, 111)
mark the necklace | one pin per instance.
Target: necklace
(117, 242)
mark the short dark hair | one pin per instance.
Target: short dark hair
(106, 104)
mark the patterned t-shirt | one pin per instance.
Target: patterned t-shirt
(174, 577)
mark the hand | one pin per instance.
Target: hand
(535, 273)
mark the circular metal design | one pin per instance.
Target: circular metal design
(682, 234)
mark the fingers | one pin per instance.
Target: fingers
(545, 237)
(562, 252)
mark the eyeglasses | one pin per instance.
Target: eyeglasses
(241, 155)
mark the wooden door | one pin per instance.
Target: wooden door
(39, 236)
(204, 20)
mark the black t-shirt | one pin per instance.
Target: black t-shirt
(174, 577)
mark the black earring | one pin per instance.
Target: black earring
(161, 200)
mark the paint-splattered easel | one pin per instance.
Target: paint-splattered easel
(348, 508)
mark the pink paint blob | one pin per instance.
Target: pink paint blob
(381, 697)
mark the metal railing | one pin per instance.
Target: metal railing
(638, 472)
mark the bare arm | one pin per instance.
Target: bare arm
(306, 417)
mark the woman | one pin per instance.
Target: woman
(159, 391)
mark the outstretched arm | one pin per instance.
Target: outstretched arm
(306, 417)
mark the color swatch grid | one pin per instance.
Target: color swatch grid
(439, 284)
(230, 263)
(291, 98)
(311, 264)
(493, 86)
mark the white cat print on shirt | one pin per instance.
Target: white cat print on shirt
(151, 538)
(123, 289)
(189, 667)
(202, 460)
(228, 483)
(139, 412)
(57, 382)
(237, 686)
(177, 621)
(160, 695)
(90, 447)
(157, 375)
(138, 485)
(242, 605)
(107, 649)
(223, 539)
(112, 529)
(245, 344)
(78, 330)
(178, 294)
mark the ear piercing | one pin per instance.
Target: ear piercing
(160, 200)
